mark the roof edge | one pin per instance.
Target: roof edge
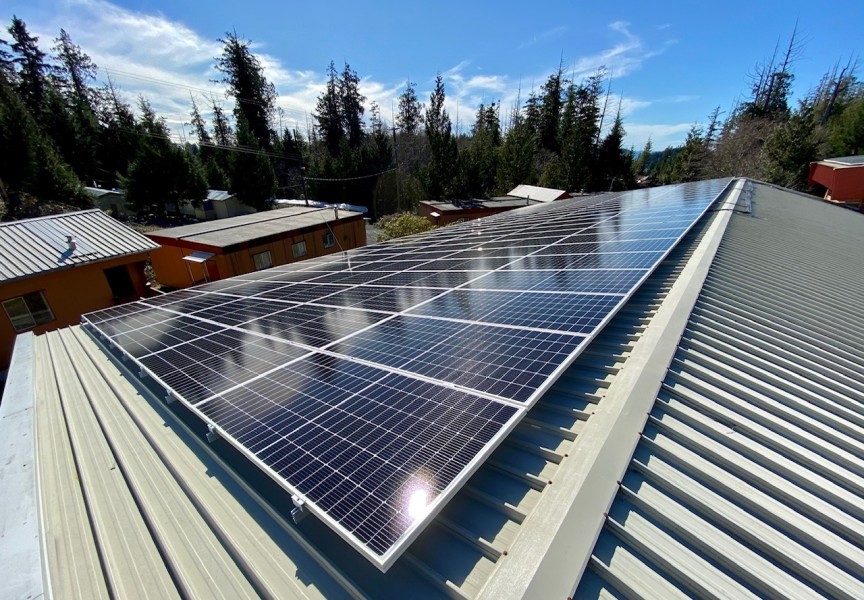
(569, 517)
(20, 551)
(148, 250)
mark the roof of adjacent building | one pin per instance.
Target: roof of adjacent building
(96, 192)
(534, 192)
(247, 228)
(842, 162)
(745, 478)
(499, 202)
(33, 246)
(218, 195)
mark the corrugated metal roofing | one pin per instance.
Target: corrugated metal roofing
(749, 476)
(537, 193)
(94, 408)
(32, 246)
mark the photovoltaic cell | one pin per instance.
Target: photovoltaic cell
(343, 443)
(370, 384)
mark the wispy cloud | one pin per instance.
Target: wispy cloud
(546, 36)
(623, 58)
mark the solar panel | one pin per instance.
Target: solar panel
(372, 384)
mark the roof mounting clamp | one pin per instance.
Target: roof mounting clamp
(299, 512)
(169, 398)
(212, 434)
(142, 374)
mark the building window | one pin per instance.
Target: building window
(262, 260)
(298, 249)
(28, 311)
(329, 239)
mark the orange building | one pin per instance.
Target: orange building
(215, 250)
(843, 178)
(54, 269)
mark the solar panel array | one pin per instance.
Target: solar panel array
(371, 384)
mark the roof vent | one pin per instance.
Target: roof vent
(71, 243)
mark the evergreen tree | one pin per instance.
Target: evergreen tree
(641, 164)
(7, 66)
(441, 170)
(29, 162)
(223, 135)
(328, 113)
(615, 164)
(255, 96)
(550, 111)
(162, 173)
(351, 106)
(76, 70)
(75, 75)
(790, 149)
(33, 71)
(410, 116)
(252, 175)
(516, 155)
(479, 164)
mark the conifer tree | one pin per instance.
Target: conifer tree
(33, 71)
(252, 175)
(410, 116)
(441, 170)
(255, 96)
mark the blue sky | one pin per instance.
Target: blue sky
(671, 62)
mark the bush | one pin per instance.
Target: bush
(402, 224)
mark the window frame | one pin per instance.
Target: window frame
(262, 253)
(296, 245)
(326, 236)
(35, 318)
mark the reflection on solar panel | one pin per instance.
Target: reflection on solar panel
(372, 384)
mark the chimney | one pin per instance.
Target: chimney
(71, 243)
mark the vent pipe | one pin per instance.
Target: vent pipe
(71, 243)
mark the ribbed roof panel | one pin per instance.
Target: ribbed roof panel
(749, 474)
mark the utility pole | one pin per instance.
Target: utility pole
(302, 169)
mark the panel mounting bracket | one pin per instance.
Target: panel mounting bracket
(169, 397)
(212, 434)
(299, 512)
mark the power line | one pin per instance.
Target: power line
(351, 178)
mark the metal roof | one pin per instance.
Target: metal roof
(32, 246)
(99, 192)
(499, 202)
(457, 556)
(748, 476)
(223, 233)
(848, 161)
(537, 193)
(218, 195)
